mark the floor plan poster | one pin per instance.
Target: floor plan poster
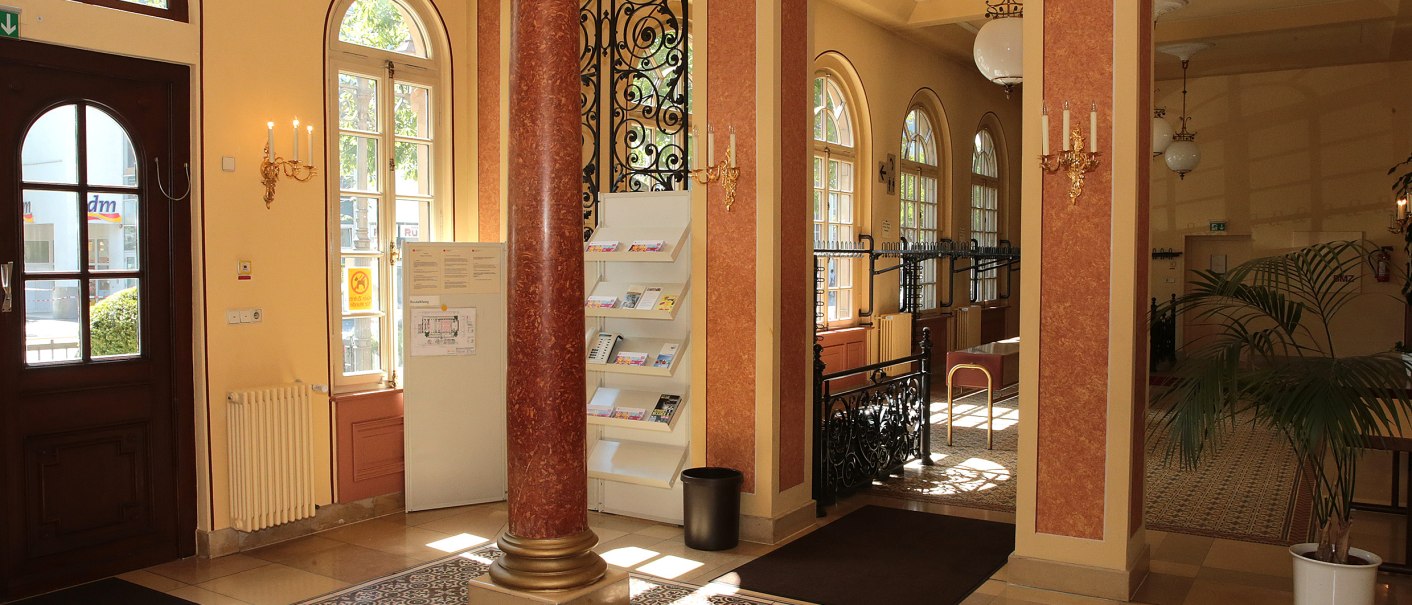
(435, 332)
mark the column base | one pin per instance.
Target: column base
(611, 589)
(765, 530)
(1113, 584)
(540, 564)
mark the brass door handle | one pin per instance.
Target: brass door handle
(6, 274)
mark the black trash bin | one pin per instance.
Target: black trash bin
(712, 507)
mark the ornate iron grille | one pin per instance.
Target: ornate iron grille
(867, 432)
(647, 62)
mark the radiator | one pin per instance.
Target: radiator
(271, 456)
(894, 339)
(967, 328)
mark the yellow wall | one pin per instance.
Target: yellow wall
(1286, 152)
(260, 60)
(893, 69)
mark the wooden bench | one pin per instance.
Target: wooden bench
(989, 366)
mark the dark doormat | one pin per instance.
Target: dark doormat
(883, 555)
(111, 591)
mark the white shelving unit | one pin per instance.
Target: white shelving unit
(634, 464)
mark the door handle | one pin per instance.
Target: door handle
(6, 273)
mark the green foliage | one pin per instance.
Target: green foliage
(1272, 364)
(113, 324)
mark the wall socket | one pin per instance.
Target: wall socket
(244, 316)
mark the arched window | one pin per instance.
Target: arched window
(985, 211)
(389, 167)
(835, 155)
(917, 180)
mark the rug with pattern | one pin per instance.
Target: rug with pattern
(447, 582)
(1250, 490)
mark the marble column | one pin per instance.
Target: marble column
(548, 542)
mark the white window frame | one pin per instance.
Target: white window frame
(386, 68)
(928, 179)
(827, 153)
(986, 215)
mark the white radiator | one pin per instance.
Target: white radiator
(894, 339)
(967, 328)
(271, 456)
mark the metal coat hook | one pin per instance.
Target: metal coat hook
(187, 167)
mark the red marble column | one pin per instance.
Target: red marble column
(548, 543)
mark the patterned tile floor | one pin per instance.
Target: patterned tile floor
(1186, 570)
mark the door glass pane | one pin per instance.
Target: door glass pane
(52, 328)
(413, 221)
(50, 152)
(413, 168)
(361, 349)
(361, 287)
(358, 163)
(114, 318)
(357, 103)
(113, 232)
(51, 230)
(112, 161)
(358, 224)
(412, 110)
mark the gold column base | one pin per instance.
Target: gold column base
(548, 563)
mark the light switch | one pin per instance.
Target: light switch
(247, 316)
(227, 163)
(232, 316)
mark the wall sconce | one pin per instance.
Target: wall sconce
(1073, 158)
(1401, 219)
(726, 173)
(272, 167)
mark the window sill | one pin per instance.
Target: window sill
(359, 390)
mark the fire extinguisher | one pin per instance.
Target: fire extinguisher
(1382, 263)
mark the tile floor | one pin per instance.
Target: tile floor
(1186, 570)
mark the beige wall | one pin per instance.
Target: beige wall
(1283, 153)
(893, 69)
(269, 67)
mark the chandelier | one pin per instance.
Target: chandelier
(1183, 156)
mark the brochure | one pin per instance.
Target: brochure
(603, 246)
(627, 358)
(601, 302)
(647, 245)
(630, 413)
(664, 357)
(667, 302)
(649, 298)
(632, 296)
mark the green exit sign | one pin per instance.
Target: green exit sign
(9, 22)
(1218, 226)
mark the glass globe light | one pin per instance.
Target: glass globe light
(999, 50)
(1182, 156)
(1162, 132)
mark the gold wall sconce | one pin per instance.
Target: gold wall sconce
(727, 173)
(1079, 155)
(272, 167)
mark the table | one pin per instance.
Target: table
(988, 366)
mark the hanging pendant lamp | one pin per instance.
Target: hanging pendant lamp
(999, 49)
(1162, 131)
(1183, 155)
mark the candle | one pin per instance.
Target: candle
(1093, 128)
(296, 139)
(732, 148)
(693, 145)
(710, 146)
(1402, 208)
(311, 144)
(1044, 127)
(270, 141)
(1064, 135)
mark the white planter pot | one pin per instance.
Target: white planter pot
(1320, 583)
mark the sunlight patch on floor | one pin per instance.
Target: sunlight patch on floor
(670, 567)
(458, 543)
(970, 476)
(918, 463)
(628, 556)
(973, 416)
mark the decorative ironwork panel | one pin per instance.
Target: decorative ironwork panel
(649, 58)
(590, 100)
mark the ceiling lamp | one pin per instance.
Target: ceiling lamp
(1162, 132)
(999, 49)
(1183, 156)
(1162, 7)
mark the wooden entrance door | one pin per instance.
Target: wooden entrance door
(97, 468)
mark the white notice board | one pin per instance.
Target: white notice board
(453, 328)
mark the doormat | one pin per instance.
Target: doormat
(883, 555)
(111, 591)
(447, 582)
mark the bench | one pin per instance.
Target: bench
(989, 366)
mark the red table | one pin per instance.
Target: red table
(989, 366)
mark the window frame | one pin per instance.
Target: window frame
(826, 152)
(928, 280)
(177, 10)
(387, 68)
(987, 290)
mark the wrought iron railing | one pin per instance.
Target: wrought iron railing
(867, 432)
(1163, 345)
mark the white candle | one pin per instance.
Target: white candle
(732, 152)
(693, 147)
(1093, 128)
(1064, 136)
(270, 141)
(710, 146)
(296, 139)
(1402, 208)
(1044, 127)
(311, 145)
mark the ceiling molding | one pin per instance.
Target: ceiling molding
(1258, 22)
(929, 13)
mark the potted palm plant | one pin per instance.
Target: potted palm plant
(1272, 362)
